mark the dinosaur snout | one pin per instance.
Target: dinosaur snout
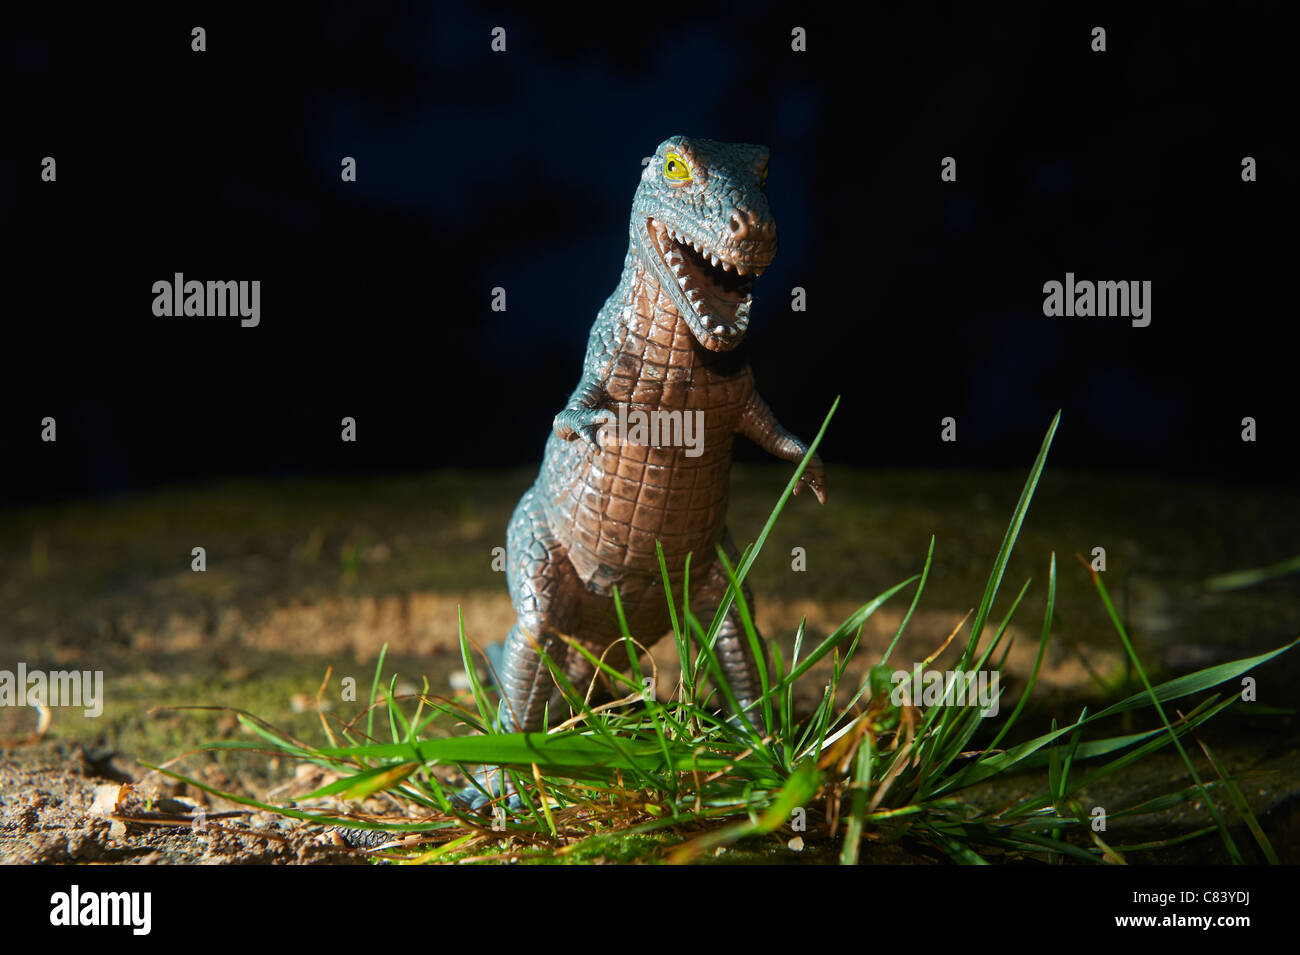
(745, 224)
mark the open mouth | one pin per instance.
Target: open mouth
(717, 283)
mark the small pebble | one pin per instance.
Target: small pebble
(105, 803)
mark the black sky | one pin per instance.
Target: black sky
(516, 169)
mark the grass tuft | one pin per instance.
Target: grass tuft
(640, 779)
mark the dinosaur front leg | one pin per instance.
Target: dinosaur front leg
(585, 412)
(759, 425)
(585, 423)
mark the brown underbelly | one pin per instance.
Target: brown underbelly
(609, 514)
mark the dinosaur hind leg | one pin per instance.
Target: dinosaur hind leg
(732, 648)
(544, 590)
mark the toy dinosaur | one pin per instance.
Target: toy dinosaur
(663, 351)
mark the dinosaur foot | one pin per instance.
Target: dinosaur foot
(475, 800)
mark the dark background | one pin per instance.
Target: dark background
(517, 170)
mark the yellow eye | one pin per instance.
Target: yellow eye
(762, 181)
(676, 169)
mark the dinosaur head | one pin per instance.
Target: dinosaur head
(701, 225)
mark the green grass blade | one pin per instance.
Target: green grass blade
(916, 598)
(858, 802)
(374, 692)
(1008, 543)
(752, 551)
(471, 673)
(751, 635)
(1228, 842)
(843, 632)
(1238, 579)
(1243, 808)
(1038, 663)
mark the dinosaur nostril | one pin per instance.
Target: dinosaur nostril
(738, 225)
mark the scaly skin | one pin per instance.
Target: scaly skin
(665, 341)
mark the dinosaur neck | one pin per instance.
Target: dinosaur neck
(653, 318)
(653, 315)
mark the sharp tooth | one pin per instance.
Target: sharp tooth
(742, 310)
(718, 330)
(695, 295)
(681, 280)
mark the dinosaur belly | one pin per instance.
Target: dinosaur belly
(663, 474)
(663, 471)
